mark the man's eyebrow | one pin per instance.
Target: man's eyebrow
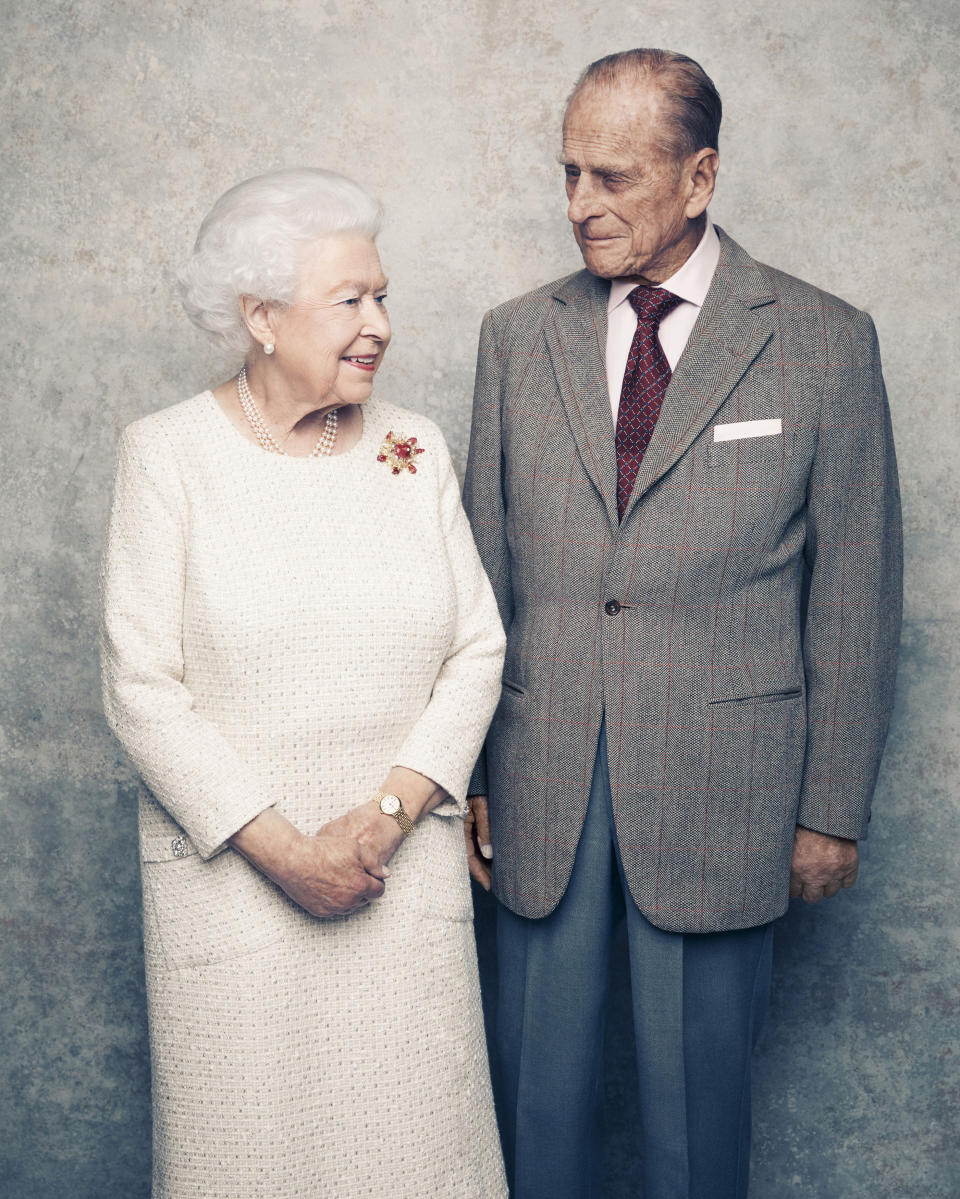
(595, 169)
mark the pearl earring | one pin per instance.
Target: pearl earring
(269, 348)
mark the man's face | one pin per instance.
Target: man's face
(630, 202)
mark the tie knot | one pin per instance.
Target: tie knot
(651, 304)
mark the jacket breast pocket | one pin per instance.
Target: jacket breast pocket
(737, 487)
(747, 459)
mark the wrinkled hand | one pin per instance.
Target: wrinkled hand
(379, 836)
(821, 865)
(330, 876)
(476, 830)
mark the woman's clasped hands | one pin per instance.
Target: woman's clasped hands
(333, 875)
(343, 866)
(334, 872)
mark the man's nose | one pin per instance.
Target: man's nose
(582, 198)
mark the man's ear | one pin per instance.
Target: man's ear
(258, 317)
(701, 171)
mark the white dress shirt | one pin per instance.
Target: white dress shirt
(691, 283)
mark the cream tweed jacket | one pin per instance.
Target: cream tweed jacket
(281, 631)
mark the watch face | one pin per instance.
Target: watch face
(390, 805)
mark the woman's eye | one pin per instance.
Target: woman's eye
(354, 300)
(382, 299)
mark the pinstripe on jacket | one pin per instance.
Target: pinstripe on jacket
(746, 667)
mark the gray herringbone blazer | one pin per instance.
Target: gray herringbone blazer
(738, 630)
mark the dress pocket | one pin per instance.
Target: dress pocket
(438, 858)
(198, 913)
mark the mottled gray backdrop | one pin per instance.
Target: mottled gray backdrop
(122, 122)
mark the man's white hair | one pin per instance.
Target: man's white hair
(250, 243)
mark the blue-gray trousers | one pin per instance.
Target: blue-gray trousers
(698, 1003)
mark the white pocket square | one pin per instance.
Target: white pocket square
(747, 428)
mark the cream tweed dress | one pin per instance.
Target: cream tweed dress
(281, 631)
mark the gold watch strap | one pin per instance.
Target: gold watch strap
(402, 817)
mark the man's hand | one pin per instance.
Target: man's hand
(476, 829)
(821, 865)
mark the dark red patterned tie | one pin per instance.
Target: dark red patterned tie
(644, 386)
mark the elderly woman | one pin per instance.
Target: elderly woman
(301, 654)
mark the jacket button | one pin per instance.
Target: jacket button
(178, 847)
(611, 607)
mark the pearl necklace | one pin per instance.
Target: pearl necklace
(323, 448)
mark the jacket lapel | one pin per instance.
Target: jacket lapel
(733, 326)
(576, 340)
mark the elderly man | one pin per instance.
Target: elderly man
(682, 484)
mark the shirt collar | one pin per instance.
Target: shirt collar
(691, 282)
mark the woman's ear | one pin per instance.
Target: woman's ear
(259, 319)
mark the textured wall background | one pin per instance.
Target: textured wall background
(121, 123)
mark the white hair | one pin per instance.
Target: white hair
(249, 244)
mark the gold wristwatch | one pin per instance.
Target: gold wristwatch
(390, 805)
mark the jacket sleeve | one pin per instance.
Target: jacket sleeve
(854, 554)
(483, 495)
(184, 760)
(445, 741)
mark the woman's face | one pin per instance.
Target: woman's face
(331, 338)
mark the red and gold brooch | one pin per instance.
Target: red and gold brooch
(399, 452)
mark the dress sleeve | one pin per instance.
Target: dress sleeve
(190, 768)
(444, 743)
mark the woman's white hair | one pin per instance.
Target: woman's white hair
(249, 244)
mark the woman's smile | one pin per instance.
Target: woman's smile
(367, 362)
